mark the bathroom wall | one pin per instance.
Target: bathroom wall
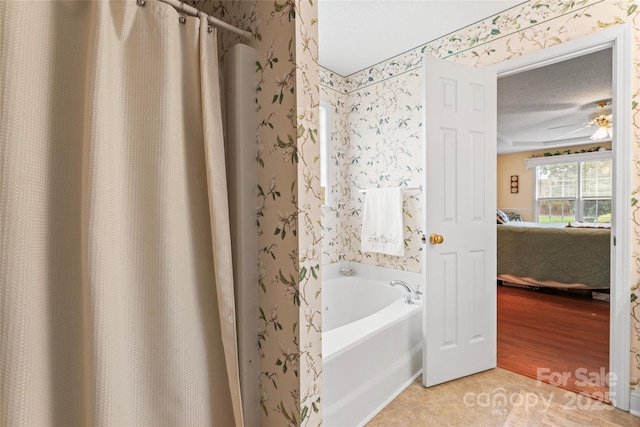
(287, 202)
(526, 28)
(523, 29)
(334, 213)
(375, 142)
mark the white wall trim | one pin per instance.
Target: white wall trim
(619, 39)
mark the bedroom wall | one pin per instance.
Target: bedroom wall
(522, 202)
(527, 28)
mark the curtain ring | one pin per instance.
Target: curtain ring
(182, 18)
(210, 29)
(141, 2)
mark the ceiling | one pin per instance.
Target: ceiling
(356, 34)
(544, 108)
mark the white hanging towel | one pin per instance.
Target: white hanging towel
(382, 228)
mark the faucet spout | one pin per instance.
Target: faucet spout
(405, 285)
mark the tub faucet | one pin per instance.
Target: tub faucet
(409, 289)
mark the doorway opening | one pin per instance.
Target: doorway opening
(555, 184)
(616, 39)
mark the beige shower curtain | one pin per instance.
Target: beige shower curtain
(116, 293)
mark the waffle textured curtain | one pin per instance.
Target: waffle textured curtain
(116, 291)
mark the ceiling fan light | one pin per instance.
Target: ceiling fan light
(604, 120)
(601, 133)
(601, 115)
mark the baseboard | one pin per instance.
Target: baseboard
(634, 403)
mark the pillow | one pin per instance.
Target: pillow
(501, 217)
(514, 217)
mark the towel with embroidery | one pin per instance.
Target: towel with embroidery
(382, 227)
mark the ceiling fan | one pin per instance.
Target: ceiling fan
(603, 119)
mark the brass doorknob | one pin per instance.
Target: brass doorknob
(436, 239)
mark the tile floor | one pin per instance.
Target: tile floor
(497, 398)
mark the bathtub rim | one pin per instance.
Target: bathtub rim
(381, 275)
(387, 321)
(372, 272)
(364, 328)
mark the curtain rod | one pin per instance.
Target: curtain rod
(180, 6)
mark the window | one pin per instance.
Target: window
(325, 138)
(574, 191)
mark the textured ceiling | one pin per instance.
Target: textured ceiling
(560, 96)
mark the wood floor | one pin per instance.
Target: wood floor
(559, 338)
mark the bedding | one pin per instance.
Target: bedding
(556, 256)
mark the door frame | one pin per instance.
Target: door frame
(619, 40)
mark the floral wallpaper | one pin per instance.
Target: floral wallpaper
(375, 142)
(287, 200)
(309, 201)
(520, 30)
(333, 214)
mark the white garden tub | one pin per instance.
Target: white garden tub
(371, 342)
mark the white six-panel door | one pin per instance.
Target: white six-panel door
(460, 194)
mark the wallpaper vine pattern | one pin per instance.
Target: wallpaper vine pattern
(288, 202)
(287, 163)
(309, 200)
(333, 214)
(522, 29)
(375, 142)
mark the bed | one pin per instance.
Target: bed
(562, 257)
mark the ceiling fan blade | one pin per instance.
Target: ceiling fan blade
(588, 125)
(566, 126)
